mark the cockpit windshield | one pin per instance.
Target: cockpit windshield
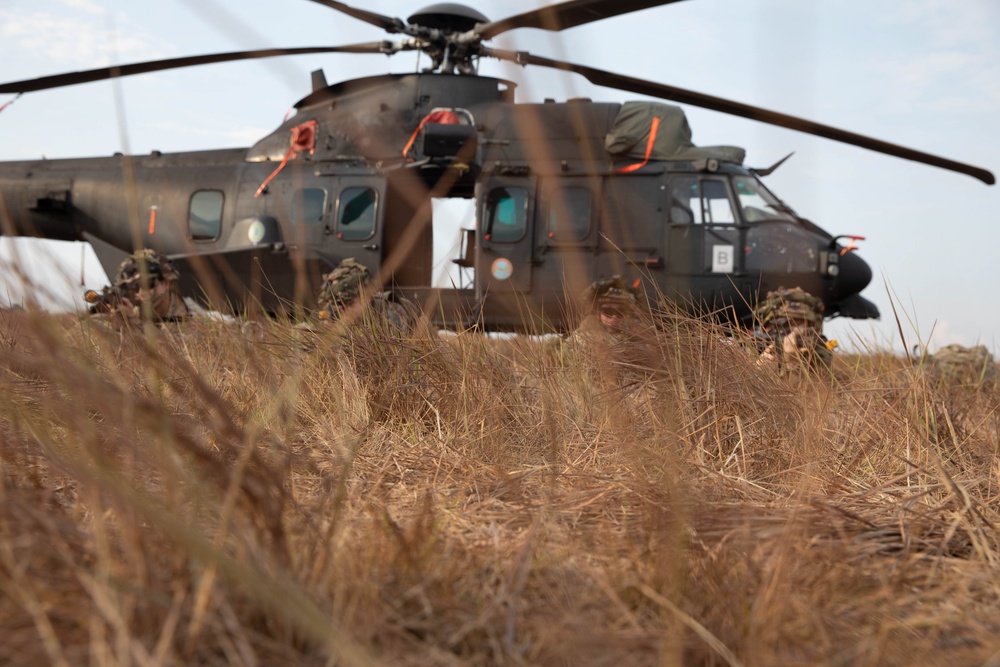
(758, 203)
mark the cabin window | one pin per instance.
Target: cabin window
(506, 214)
(700, 201)
(356, 215)
(569, 215)
(205, 215)
(308, 206)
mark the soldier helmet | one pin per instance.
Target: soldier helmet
(158, 266)
(342, 285)
(784, 308)
(611, 297)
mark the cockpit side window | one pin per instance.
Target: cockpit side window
(684, 199)
(758, 203)
(700, 201)
(506, 214)
(715, 205)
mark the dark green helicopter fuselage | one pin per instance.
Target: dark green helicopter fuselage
(555, 211)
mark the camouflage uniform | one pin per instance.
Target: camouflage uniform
(342, 289)
(126, 295)
(615, 339)
(790, 330)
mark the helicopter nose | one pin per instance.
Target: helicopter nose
(854, 276)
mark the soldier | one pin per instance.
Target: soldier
(341, 294)
(616, 338)
(127, 295)
(967, 366)
(790, 329)
(616, 306)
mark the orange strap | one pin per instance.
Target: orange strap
(274, 173)
(303, 139)
(654, 127)
(441, 116)
(413, 137)
(152, 220)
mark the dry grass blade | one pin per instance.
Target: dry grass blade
(211, 493)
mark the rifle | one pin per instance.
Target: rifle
(109, 299)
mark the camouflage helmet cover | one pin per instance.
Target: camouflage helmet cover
(611, 294)
(158, 266)
(789, 307)
(964, 364)
(342, 285)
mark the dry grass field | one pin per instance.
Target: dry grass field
(251, 493)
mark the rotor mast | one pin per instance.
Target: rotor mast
(443, 31)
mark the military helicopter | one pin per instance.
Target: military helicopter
(566, 193)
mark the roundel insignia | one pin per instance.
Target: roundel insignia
(502, 268)
(256, 231)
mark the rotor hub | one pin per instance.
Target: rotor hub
(448, 17)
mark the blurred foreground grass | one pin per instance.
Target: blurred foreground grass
(255, 494)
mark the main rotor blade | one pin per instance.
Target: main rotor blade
(672, 93)
(387, 23)
(115, 71)
(566, 15)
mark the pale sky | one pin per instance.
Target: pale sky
(921, 73)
